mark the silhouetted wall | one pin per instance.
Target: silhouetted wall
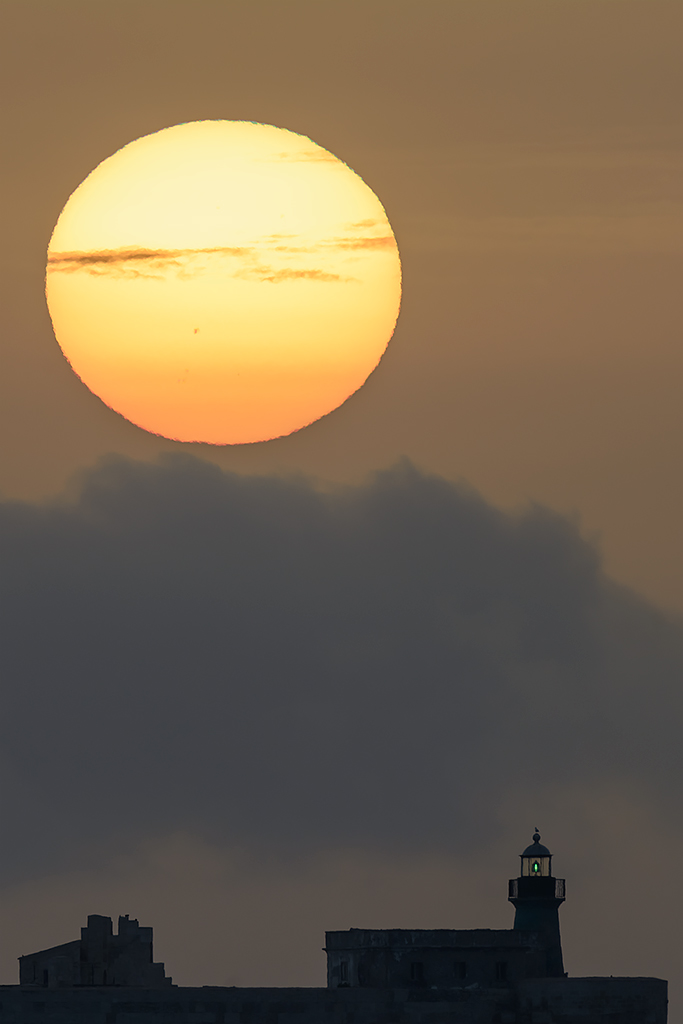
(423, 958)
(552, 1000)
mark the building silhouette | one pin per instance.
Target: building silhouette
(374, 976)
(418, 958)
(98, 958)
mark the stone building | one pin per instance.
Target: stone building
(98, 958)
(418, 958)
(374, 976)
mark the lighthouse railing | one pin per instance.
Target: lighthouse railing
(560, 889)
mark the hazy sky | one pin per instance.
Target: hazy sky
(245, 706)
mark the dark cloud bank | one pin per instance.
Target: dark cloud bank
(261, 662)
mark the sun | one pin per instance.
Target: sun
(223, 281)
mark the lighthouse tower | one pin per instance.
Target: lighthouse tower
(536, 896)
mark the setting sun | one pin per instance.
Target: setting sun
(223, 281)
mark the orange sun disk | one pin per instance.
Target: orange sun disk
(223, 281)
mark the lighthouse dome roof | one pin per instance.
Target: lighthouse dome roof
(537, 849)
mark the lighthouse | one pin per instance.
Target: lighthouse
(537, 896)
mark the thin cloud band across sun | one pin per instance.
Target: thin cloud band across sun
(223, 281)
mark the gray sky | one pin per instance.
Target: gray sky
(258, 671)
